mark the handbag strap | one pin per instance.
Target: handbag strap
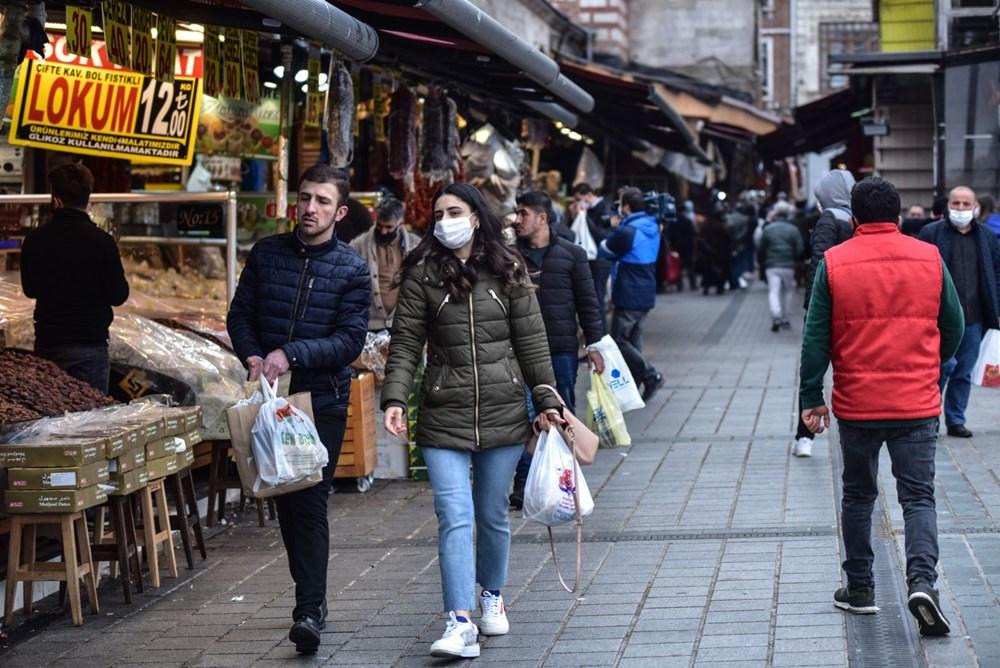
(578, 522)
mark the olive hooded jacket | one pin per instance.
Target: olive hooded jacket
(481, 352)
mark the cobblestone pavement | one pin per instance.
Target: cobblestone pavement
(710, 545)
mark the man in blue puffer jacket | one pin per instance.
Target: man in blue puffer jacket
(302, 306)
(634, 243)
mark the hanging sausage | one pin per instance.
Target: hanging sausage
(340, 111)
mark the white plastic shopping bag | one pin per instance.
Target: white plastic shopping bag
(618, 377)
(548, 492)
(285, 443)
(584, 238)
(986, 373)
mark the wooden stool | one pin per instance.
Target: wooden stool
(119, 546)
(186, 516)
(221, 479)
(22, 535)
(156, 530)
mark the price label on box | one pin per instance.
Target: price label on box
(142, 41)
(166, 48)
(232, 63)
(117, 34)
(79, 22)
(251, 75)
(213, 62)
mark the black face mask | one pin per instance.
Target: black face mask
(386, 238)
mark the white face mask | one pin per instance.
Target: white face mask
(454, 233)
(961, 219)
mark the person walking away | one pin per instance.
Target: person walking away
(780, 248)
(681, 237)
(598, 221)
(558, 268)
(741, 222)
(973, 257)
(301, 306)
(714, 254)
(469, 298)
(383, 247)
(74, 273)
(634, 243)
(833, 194)
(885, 390)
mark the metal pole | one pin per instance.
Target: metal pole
(281, 183)
(230, 247)
(323, 21)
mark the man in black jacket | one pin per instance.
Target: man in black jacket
(972, 254)
(73, 270)
(302, 306)
(599, 222)
(565, 294)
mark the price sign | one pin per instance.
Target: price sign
(212, 62)
(314, 110)
(312, 67)
(165, 108)
(142, 41)
(231, 68)
(79, 21)
(166, 47)
(251, 74)
(116, 31)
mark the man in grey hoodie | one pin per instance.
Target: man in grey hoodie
(833, 192)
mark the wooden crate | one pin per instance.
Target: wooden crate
(358, 455)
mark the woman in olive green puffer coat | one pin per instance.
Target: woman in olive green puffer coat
(469, 298)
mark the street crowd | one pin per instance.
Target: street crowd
(897, 306)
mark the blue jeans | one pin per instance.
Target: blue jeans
(911, 450)
(462, 504)
(956, 373)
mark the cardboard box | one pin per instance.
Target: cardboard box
(162, 467)
(186, 458)
(53, 500)
(76, 477)
(131, 460)
(163, 447)
(179, 420)
(52, 453)
(150, 429)
(126, 483)
(116, 440)
(194, 437)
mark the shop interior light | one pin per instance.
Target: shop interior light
(154, 32)
(559, 124)
(323, 78)
(575, 136)
(565, 130)
(323, 87)
(305, 88)
(301, 76)
(588, 141)
(279, 71)
(270, 84)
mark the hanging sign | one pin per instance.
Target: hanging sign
(166, 47)
(251, 75)
(79, 21)
(314, 99)
(116, 31)
(213, 62)
(142, 41)
(239, 129)
(104, 112)
(231, 86)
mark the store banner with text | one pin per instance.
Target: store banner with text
(240, 129)
(103, 112)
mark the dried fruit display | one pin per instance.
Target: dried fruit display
(39, 387)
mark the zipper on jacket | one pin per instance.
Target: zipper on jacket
(502, 307)
(443, 302)
(298, 297)
(475, 365)
(305, 300)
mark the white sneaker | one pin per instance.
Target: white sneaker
(460, 639)
(494, 621)
(803, 447)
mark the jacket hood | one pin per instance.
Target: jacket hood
(834, 193)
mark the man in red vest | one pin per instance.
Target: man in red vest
(885, 312)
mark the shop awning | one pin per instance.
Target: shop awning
(728, 111)
(491, 59)
(818, 125)
(860, 64)
(631, 110)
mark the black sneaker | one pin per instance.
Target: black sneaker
(322, 615)
(305, 635)
(516, 500)
(923, 604)
(652, 385)
(776, 325)
(859, 600)
(959, 431)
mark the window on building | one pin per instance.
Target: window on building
(843, 38)
(967, 31)
(767, 69)
(968, 4)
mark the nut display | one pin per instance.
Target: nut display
(32, 387)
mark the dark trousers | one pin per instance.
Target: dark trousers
(601, 271)
(91, 364)
(626, 330)
(911, 450)
(305, 529)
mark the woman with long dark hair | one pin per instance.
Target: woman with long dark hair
(468, 296)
